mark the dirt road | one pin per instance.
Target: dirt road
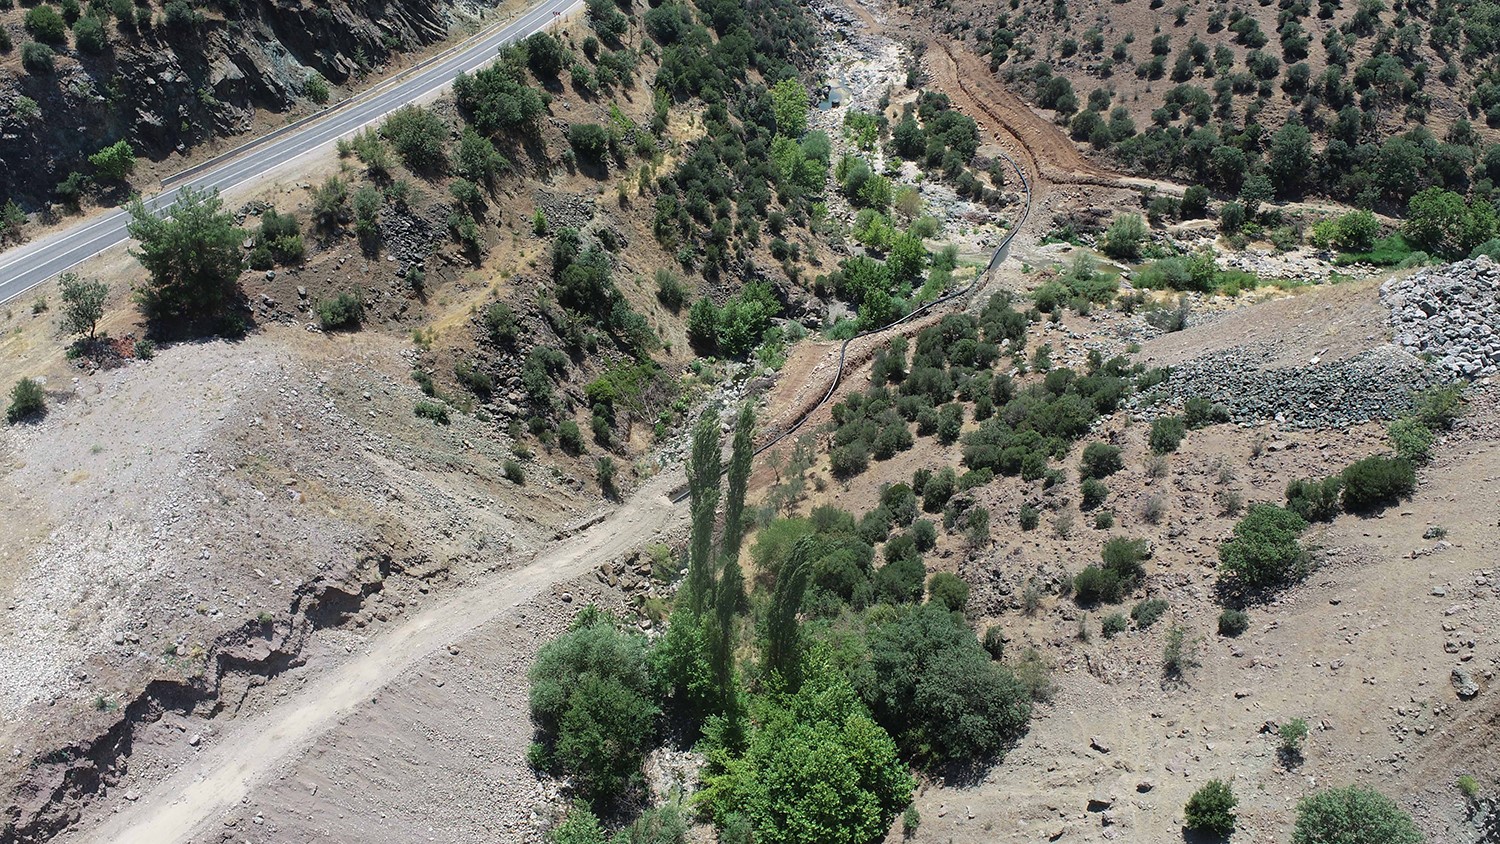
(255, 747)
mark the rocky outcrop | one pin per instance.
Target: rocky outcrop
(1450, 314)
(168, 90)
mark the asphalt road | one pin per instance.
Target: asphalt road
(28, 265)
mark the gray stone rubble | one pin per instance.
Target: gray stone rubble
(1450, 313)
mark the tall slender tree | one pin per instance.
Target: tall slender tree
(703, 490)
(739, 479)
(782, 656)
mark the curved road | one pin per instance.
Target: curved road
(28, 265)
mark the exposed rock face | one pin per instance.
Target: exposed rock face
(167, 90)
(1451, 313)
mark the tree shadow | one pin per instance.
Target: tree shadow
(1196, 836)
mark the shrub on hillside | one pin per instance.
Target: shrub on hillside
(570, 438)
(1166, 433)
(1092, 493)
(1376, 482)
(1315, 501)
(345, 310)
(1263, 551)
(948, 590)
(1211, 809)
(1411, 439)
(26, 399)
(1096, 585)
(1353, 815)
(1148, 612)
(1113, 625)
(1199, 412)
(1233, 622)
(1100, 460)
(932, 683)
(591, 695)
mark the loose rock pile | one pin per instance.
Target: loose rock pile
(1378, 384)
(1451, 313)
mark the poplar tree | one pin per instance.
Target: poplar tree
(703, 491)
(739, 479)
(781, 620)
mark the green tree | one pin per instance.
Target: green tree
(591, 697)
(89, 35)
(815, 768)
(579, 826)
(192, 255)
(589, 140)
(1211, 809)
(703, 324)
(44, 24)
(703, 491)
(545, 55)
(948, 590)
(495, 100)
(1290, 160)
(741, 453)
(907, 258)
(934, 686)
(83, 304)
(1263, 551)
(783, 652)
(1353, 815)
(1123, 238)
(478, 160)
(789, 104)
(418, 136)
(115, 161)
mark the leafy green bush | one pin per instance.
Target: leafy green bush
(1263, 551)
(932, 683)
(1199, 412)
(1439, 407)
(1233, 622)
(419, 137)
(589, 140)
(345, 310)
(44, 24)
(1376, 482)
(432, 410)
(476, 380)
(514, 473)
(815, 768)
(948, 590)
(1315, 501)
(1100, 460)
(569, 438)
(1166, 433)
(1123, 238)
(1411, 439)
(591, 695)
(1092, 493)
(1353, 815)
(1096, 585)
(37, 58)
(1113, 625)
(1211, 809)
(500, 324)
(26, 399)
(1029, 517)
(1123, 557)
(1148, 612)
(670, 290)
